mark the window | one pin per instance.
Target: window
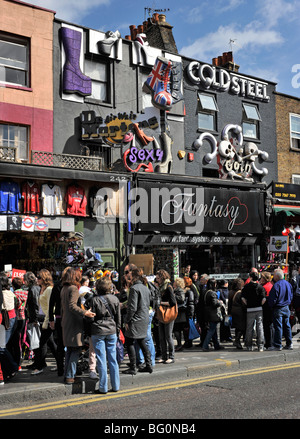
(295, 131)
(251, 119)
(98, 72)
(207, 108)
(295, 179)
(14, 60)
(15, 136)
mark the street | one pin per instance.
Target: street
(262, 393)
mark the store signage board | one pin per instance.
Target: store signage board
(220, 79)
(278, 244)
(17, 273)
(284, 191)
(188, 210)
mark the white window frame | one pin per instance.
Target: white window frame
(98, 81)
(295, 132)
(251, 120)
(208, 111)
(12, 64)
(14, 140)
(296, 179)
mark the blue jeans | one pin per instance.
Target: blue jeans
(71, 360)
(211, 335)
(149, 343)
(106, 351)
(281, 322)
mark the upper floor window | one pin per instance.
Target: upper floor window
(296, 179)
(15, 136)
(251, 119)
(295, 131)
(14, 60)
(207, 108)
(98, 72)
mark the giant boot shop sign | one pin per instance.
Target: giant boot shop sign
(195, 210)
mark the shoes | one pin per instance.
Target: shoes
(104, 46)
(204, 349)
(273, 348)
(53, 369)
(179, 348)
(160, 361)
(219, 348)
(290, 347)
(249, 348)
(260, 349)
(37, 371)
(99, 392)
(129, 371)
(93, 375)
(112, 390)
(1, 383)
(146, 369)
(69, 380)
(158, 84)
(169, 361)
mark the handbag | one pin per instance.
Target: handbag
(166, 314)
(120, 351)
(227, 320)
(5, 318)
(34, 334)
(121, 337)
(194, 331)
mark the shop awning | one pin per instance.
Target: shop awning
(289, 209)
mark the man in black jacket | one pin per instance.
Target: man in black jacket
(253, 296)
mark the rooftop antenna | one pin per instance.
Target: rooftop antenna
(151, 11)
(232, 42)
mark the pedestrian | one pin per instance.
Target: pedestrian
(166, 329)
(190, 296)
(279, 300)
(8, 365)
(194, 275)
(266, 282)
(295, 282)
(225, 330)
(137, 318)
(253, 270)
(16, 342)
(105, 329)
(72, 321)
(180, 321)
(32, 305)
(55, 325)
(213, 315)
(237, 310)
(200, 308)
(45, 281)
(253, 296)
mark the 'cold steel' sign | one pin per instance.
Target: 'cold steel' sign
(220, 79)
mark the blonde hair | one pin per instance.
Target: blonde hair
(179, 282)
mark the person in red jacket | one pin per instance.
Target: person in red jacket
(266, 282)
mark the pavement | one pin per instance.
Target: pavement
(189, 363)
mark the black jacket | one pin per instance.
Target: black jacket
(104, 323)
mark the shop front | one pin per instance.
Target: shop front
(215, 230)
(51, 218)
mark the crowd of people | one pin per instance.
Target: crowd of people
(63, 316)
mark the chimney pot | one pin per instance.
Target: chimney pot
(215, 61)
(162, 18)
(140, 29)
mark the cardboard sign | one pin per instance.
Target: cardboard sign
(18, 273)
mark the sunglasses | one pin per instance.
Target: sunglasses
(38, 277)
(127, 271)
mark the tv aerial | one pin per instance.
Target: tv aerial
(151, 11)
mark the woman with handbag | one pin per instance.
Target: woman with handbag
(213, 315)
(168, 301)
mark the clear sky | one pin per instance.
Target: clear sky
(264, 34)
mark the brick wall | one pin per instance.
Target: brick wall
(288, 160)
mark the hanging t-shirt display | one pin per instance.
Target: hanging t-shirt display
(76, 200)
(31, 196)
(10, 195)
(52, 199)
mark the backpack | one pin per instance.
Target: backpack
(154, 294)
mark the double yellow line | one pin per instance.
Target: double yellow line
(89, 399)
